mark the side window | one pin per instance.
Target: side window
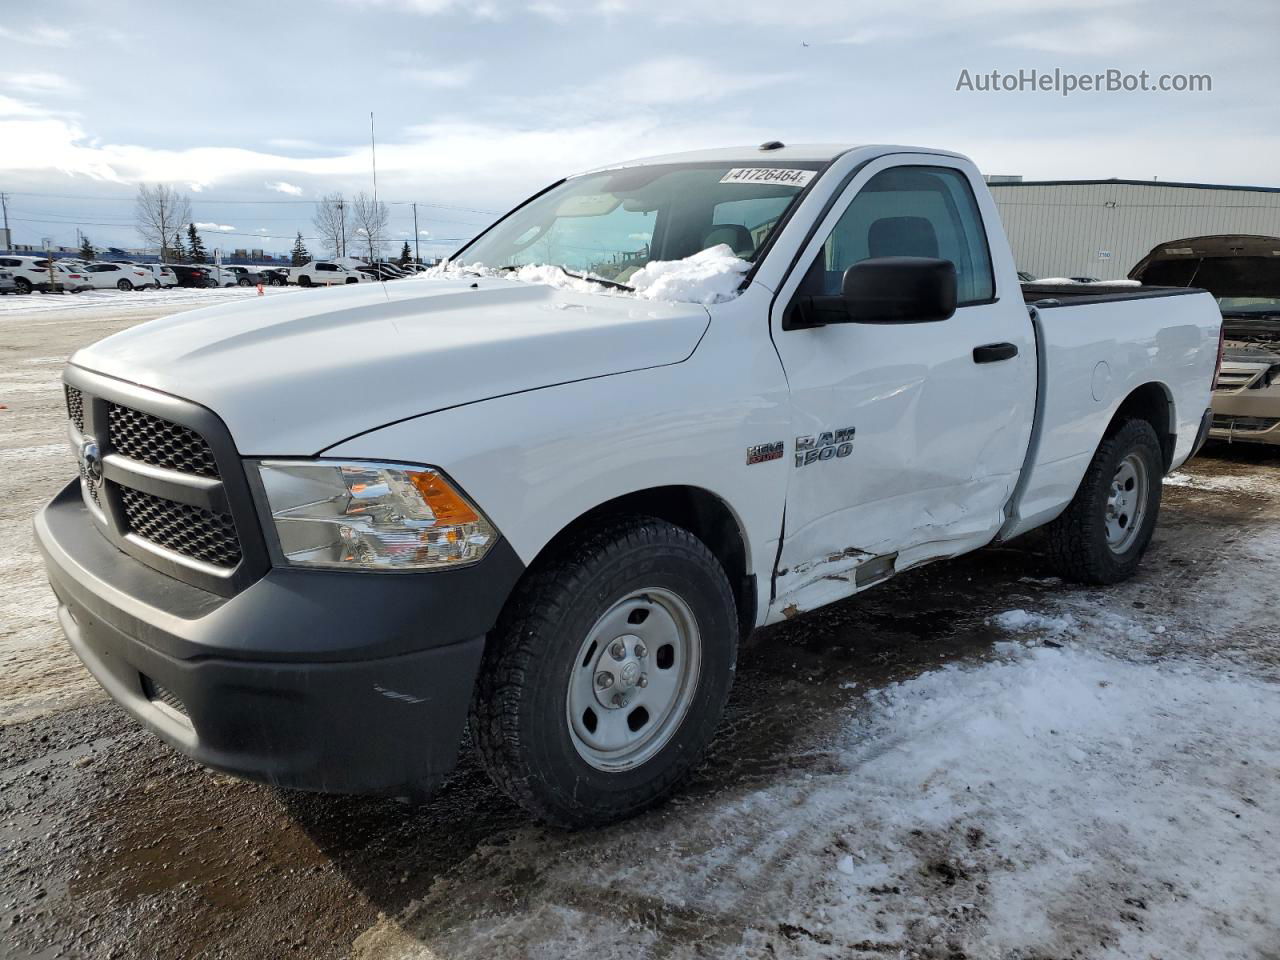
(326, 266)
(911, 212)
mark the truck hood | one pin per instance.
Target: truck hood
(295, 373)
(1227, 265)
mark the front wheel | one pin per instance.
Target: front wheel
(23, 285)
(1101, 536)
(607, 673)
(304, 281)
(124, 285)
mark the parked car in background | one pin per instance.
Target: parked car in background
(1243, 273)
(380, 271)
(7, 284)
(275, 276)
(122, 276)
(73, 278)
(27, 272)
(192, 275)
(163, 274)
(325, 273)
(245, 277)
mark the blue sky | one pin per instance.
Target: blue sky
(480, 103)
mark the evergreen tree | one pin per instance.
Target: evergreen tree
(195, 246)
(86, 249)
(300, 253)
(178, 252)
(406, 255)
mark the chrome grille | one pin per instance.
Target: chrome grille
(75, 407)
(191, 531)
(160, 443)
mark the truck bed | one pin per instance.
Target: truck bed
(1045, 295)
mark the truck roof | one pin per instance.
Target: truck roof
(800, 152)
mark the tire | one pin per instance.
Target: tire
(558, 636)
(1102, 535)
(124, 285)
(23, 285)
(277, 282)
(304, 281)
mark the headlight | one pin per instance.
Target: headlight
(380, 516)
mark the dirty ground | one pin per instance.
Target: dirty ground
(973, 760)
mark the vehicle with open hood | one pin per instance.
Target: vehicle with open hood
(1243, 273)
(547, 488)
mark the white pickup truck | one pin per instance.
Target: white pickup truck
(552, 486)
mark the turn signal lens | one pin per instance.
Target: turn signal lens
(388, 516)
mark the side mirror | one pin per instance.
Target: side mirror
(886, 290)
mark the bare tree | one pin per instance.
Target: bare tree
(333, 223)
(161, 213)
(371, 218)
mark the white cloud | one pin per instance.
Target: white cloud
(280, 186)
(445, 78)
(684, 79)
(216, 227)
(1099, 36)
(552, 11)
(424, 233)
(36, 35)
(195, 187)
(38, 83)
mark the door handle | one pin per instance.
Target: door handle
(994, 352)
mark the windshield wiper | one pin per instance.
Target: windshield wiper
(613, 284)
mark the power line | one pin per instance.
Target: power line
(201, 199)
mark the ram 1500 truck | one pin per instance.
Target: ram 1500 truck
(550, 489)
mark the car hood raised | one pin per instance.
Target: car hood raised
(294, 373)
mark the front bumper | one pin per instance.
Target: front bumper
(316, 680)
(1250, 416)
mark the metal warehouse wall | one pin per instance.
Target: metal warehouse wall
(1103, 229)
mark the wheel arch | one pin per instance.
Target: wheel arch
(703, 513)
(1154, 403)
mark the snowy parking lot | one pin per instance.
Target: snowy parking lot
(974, 760)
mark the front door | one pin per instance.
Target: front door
(908, 442)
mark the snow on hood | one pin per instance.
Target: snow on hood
(293, 375)
(709, 276)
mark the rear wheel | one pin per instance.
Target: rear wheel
(124, 285)
(1102, 535)
(23, 284)
(304, 281)
(607, 674)
(245, 282)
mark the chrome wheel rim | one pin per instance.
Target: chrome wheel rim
(633, 680)
(1126, 503)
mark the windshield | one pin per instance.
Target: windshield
(1249, 306)
(609, 225)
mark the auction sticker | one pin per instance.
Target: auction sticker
(779, 175)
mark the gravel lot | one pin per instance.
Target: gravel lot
(973, 760)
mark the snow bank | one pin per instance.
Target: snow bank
(709, 276)
(1016, 621)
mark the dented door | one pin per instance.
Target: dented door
(907, 444)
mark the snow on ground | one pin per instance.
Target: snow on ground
(1267, 485)
(117, 301)
(1105, 784)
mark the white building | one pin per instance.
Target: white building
(1101, 228)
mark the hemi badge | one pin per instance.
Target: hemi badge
(764, 452)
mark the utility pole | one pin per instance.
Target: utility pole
(417, 254)
(342, 228)
(8, 237)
